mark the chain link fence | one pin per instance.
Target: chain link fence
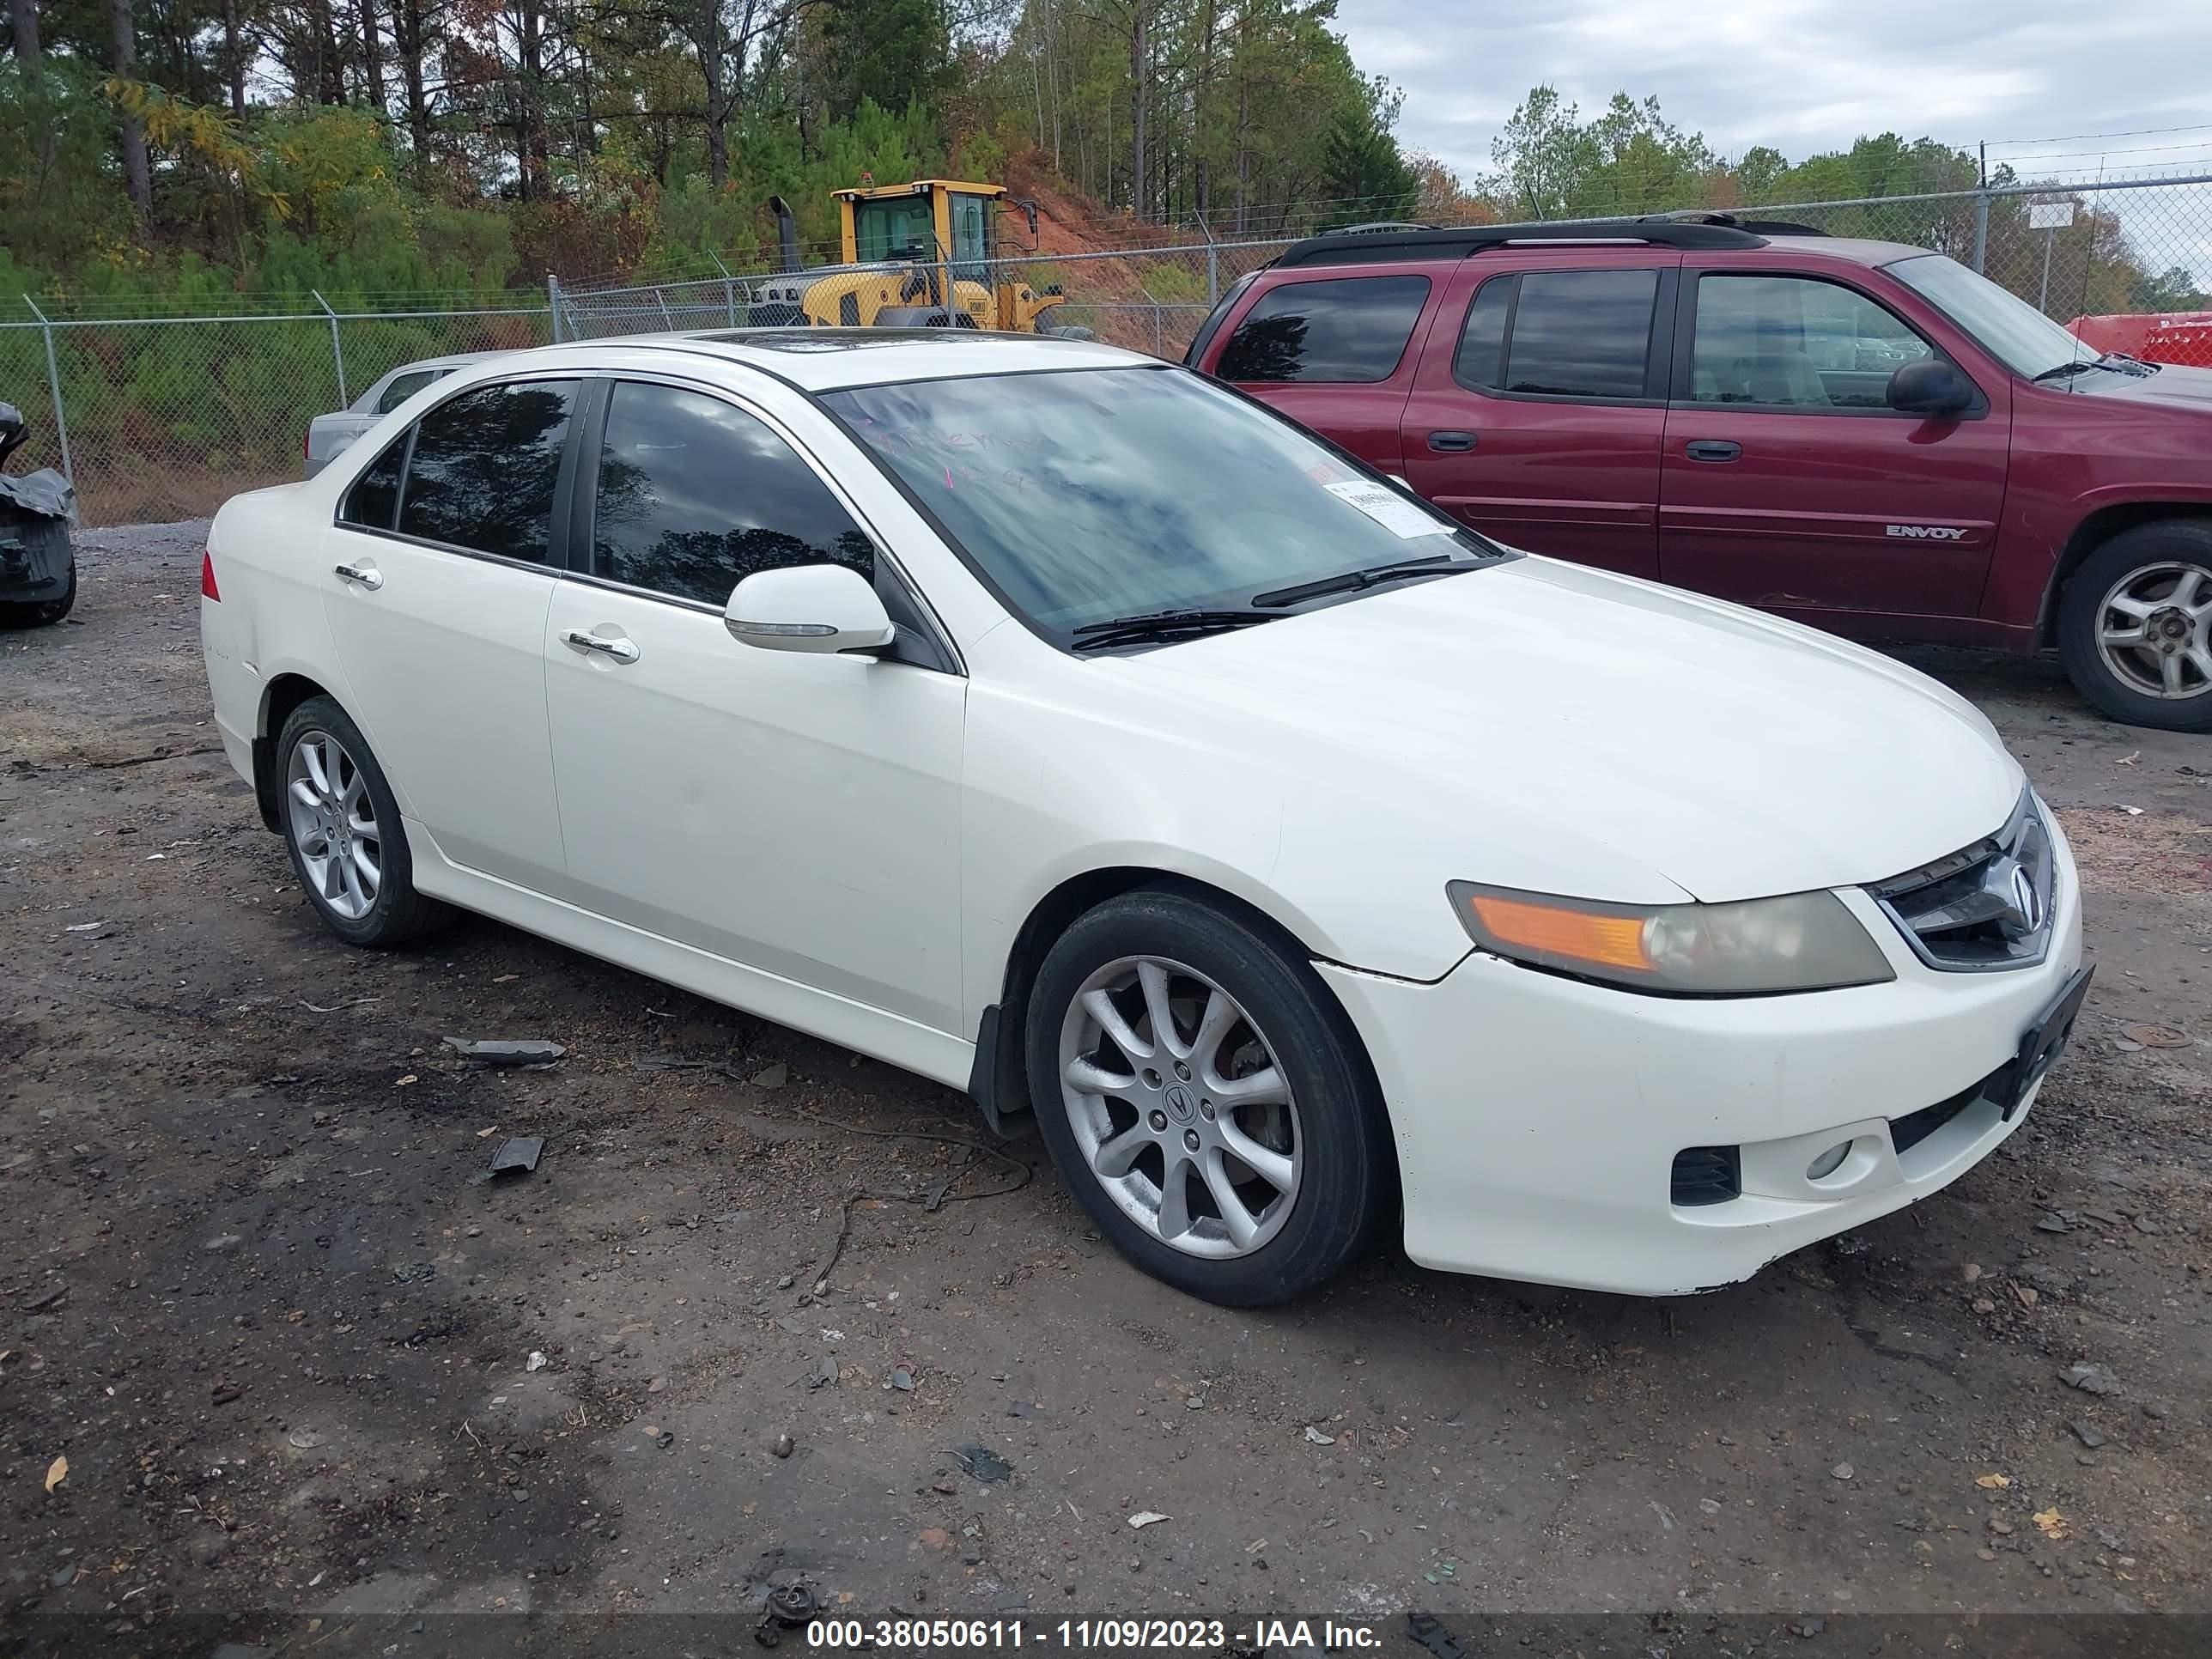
(161, 417)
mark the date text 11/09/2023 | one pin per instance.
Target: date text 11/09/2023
(1198, 1636)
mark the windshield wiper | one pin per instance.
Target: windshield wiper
(1352, 580)
(1161, 625)
(2111, 362)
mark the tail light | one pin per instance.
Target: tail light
(307, 445)
(208, 590)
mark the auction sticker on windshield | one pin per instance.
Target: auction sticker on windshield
(1389, 508)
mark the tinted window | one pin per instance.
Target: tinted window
(695, 495)
(1482, 343)
(1581, 333)
(404, 388)
(376, 492)
(1351, 330)
(1796, 342)
(485, 468)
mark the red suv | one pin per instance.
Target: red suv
(1864, 436)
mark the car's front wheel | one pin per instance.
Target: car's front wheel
(341, 825)
(1206, 1099)
(2134, 629)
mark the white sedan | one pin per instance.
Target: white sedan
(1068, 728)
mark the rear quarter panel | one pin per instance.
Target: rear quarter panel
(266, 547)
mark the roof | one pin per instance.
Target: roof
(914, 187)
(828, 359)
(1709, 233)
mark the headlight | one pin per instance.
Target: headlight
(1800, 942)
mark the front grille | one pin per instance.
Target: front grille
(1984, 908)
(1707, 1175)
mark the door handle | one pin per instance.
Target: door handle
(1712, 449)
(366, 575)
(1451, 443)
(618, 648)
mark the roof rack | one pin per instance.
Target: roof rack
(1756, 227)
(1376, 246)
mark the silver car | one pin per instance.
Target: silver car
(329, 435)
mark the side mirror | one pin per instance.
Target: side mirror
(808, 607)
(1929, 386)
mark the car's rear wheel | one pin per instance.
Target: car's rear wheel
(1206, 1099)
(341, 826)
(2134, 629)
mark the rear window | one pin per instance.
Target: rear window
(1565, 333)
(483, 468)
(1349, 330)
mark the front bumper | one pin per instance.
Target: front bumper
(1538, 1118)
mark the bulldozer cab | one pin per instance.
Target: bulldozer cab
(931, 220)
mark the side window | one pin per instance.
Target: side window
(404, 388)
(1480, 359)
(1795, 341)
(485, 468)
(376, 492)
(695, 495)
(1350, 331)
(1581, 333)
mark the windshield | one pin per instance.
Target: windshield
(1083, 495)
(2028, 342)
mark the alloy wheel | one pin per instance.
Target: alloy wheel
(1179, 1106)
(332, 820)
(2154, 630)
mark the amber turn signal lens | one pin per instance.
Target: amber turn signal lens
(1575, 935)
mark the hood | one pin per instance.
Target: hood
(2174, 386)
(1544, 725)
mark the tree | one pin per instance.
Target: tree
(2173, 290)
(1362, 174)
(137, 177)
(26, 17)
(896, 52)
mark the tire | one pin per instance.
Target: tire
(40, 613)
(320, 740)
(2157, 577)
(1325, 1139)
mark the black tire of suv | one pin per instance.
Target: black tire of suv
(1347, 1185)
(40, 613)
(398, 913)
(2165, 541)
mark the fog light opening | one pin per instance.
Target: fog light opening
(1828, 1162)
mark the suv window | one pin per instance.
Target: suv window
(376, 492)
(485, 468)
(694, 494)
(1561, 333)
(404, 388)
(1795, 341)
(1350, 331)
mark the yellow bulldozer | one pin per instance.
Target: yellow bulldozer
(917, 255)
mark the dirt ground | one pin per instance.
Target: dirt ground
(322, 1386)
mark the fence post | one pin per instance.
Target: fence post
(553, 303)
(729, 288)
(337, 351)
(54, 385)
(1212, 263)
(1981, 232)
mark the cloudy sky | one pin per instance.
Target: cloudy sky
(1810, 74)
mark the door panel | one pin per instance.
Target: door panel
(793, 812)
(1536, 416)
(1832, 502)
(445, 659)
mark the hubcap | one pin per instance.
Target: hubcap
(2154, 631)
(1179, 1106)
(333, 824)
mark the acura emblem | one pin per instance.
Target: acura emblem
(2009, 881)
(1179, 1102)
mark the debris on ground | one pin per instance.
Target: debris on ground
(1843, 1471)
(50, 1298)
(2090, 1379)
(525, 1051)
(901, 1379)
(983, 1464)
(57, 1471)
(1993, 1482)
(2156, 1037)
(772, 1077)
(2051, 1524)
(781, 1446)
(2088, 1434)
(1428, 1630)
(1144, 1518)
(1315, 1437)
(536, 1362)
(517, 1154)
